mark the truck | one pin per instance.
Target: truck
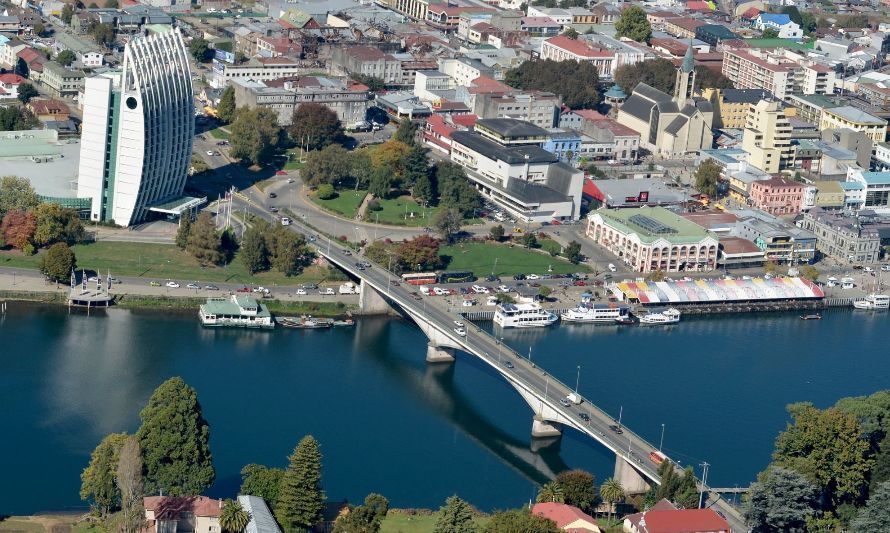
(657, 457)
(348, 288)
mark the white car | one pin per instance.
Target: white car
(459, 324)
(479, 289)
(468, 303)
(869, 269)
(193, 286)
(172, 284)
(503, 288)
(461, 331)
(301, 292)
(327, 291)
(93, 279)
(612, 268)
(885, 268)
(533, 277)
(438, 291)
(210, 152)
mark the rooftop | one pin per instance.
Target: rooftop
(654, 223)
(513, 155)
(508, 127)
(577, 47)
(875, 178)
(856, 115)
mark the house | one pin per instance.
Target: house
(778, 196)
(663, 517)
(566, 517)
(182, 514)
(779, 22)
(9, 85)
(714, 34)
(61, 81)
(46, 110)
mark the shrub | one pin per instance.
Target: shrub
(326, 191)
(374, 205)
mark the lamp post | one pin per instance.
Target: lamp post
(500, 344)
(661, 442)
(577, 381)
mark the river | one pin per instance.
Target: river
(388, 422)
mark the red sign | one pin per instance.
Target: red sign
(644, 196)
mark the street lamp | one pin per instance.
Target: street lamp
(578, 381)
(500, 347)
(661, 442)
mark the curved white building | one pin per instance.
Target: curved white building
(138, 127)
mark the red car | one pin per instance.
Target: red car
(244, 289)
(580, 283)
(281, 173)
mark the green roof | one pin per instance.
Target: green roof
(220, 306)
(654, 223)
(779, 43)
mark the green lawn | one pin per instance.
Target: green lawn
(164, 261)
(220, 133)
(292, 165)
(549, 245)
(346, 202)
(480, 258)
(397, 522)
(402, 211)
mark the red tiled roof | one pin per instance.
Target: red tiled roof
(577, 47)
(777, 182)
(48, 107)
(751, 13)
(467, 121)
(562, 514)
(709, 219)
(589, 114)
(29, 55)
(12, 79)
(738, 245)
(684, 521)
(365, 53)
(617, 129)
(697, 5)
(687, 23)
(169, 507)
(486, 85)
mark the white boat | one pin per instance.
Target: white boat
(523, 315)
(872, 302)
(237, 311)
(668, 316)
(597, 313)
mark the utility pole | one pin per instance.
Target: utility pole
(704, 480)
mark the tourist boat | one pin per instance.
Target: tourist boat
(304, 322)
(873, 302)
(667, 316)
(597, 313)
(346, 322)
(239, 311)
(523, 315)
(816, 316)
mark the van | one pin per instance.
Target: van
(348, 288)
(285, 221)
(327, 291)
(424, 290)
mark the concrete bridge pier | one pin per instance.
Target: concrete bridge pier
(372, 302)
(439, 354)
(631, 479)
(544, 429)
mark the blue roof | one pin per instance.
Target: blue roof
(876, 178)
(851, 186)
(777, 18)
(615, 92)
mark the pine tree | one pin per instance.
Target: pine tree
(456, 516)
(182, 234)
(129, 481)
(225, 110)
(204, 241)
(254, 250)
(415, 166)
(406, 132)
(301, 498)
(175, 441)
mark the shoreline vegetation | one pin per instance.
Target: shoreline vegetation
(186, 303)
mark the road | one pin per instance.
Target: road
(524, 374)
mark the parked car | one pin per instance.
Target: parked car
(533, 276)
(518, 277)
(301, 292)
(885, 268)
(154, 284)
(210, 152)
(193, 286)
(612, 268)
(281, 173)
(172, 284)
(211, 288)
(327, 291)
(273, 195)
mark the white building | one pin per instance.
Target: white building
(876, 187)
(562, 48)
(138, 125)
(779, 22)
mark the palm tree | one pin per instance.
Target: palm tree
(551, 492)
(612, 492)
(233, 518)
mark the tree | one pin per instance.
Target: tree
(17, 229)
(130, 483)
(182, 234)
(363, 518)
(544, 291)
(781, 502)
(455, 190)
(612, 492)
(529, 240)
(65, 58)
(16, 194)
(809, 272)
(330, 165)
(456, 516)
(389, 158)
(233, 518)
(326, 191)
(872, 412)
(571, 33)
(67, 14)
(657, 73)
(262, 481)
(373, 82)
(204, 241)
(827, 447)
(26, 92)
(808, 22)
(112, 4)
(634, 25)
(769, 33)
(39, 29)
(102, 33)
(22, 68)
(315, 126)
(794, 14)
(577, 82)
(289, 252)
(416, 166)
(55, 223)
(405, 132)
(572, 252)
(14, 118)
(520, 521)
(551, 492)
(255, 135)
(300, 498)
(97, 481)
(225, 110)
(424, 188)
(709, 78)
(447, 222)
(880, 472)
(58, 262)
(422, 250)
(200, 49)
(497, 233)
(579, 488)
(875, 516)
(175, 441)
(254, 248)
(706, 176)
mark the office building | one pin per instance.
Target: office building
(767, 137)
(138, 126)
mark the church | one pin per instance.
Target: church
(670, 126)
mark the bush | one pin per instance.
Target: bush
(374, 205)
(326, 191)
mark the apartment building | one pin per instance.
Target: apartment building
(562, 48)
(61, 81)
(348, 99)
(767, 137)
(538, 107)
(778, 196)
(777, 73)
(368, 61)
(855, 119)
(731, 106)
(259, 69)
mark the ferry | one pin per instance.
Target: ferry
(523, 315)
(596, 313)
(239, 311)
(873, 302)
(668, 316)
(304, 322)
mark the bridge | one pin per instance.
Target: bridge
(536, 386)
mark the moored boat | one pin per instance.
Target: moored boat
(236, 311)
(304, 322)
(873, 302)
(523, 315)
(597, 313)
(667, 316)
(816, 316)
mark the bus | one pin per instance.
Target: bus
(456, 276)
(420, 278)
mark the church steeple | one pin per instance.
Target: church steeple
(685, 82)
